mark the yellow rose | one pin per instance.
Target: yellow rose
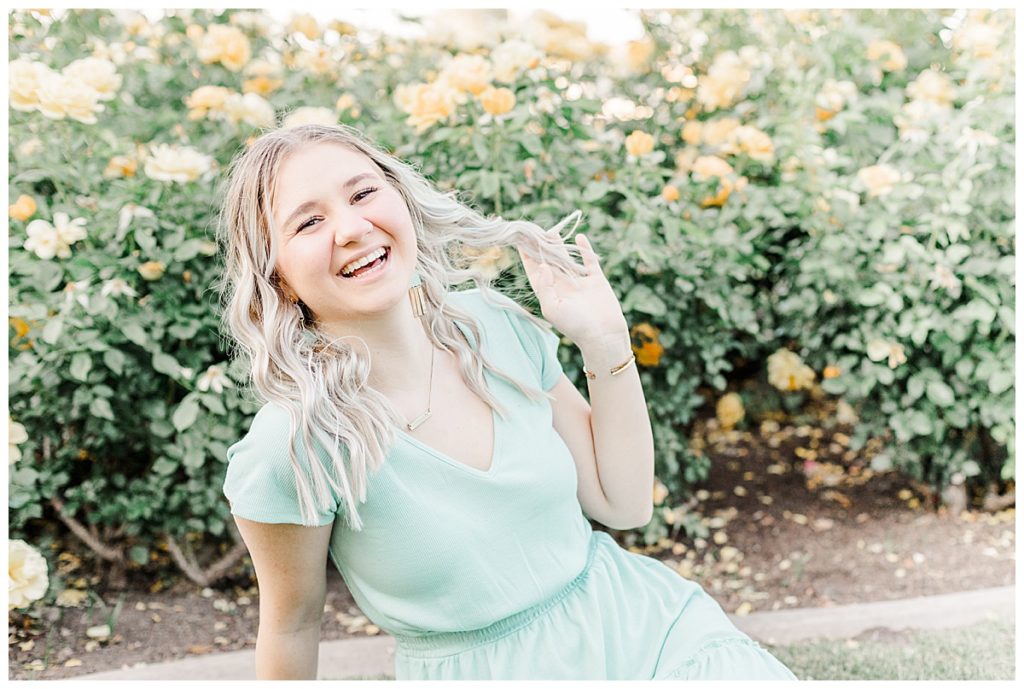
(692, 132)
(306, 25)
(151, 270)
(206, 100)
(22, 209)
(706, 167)
(343, 28)
(725, 188)
(310, 115)
(729, 410)
(724, 83)
(977, 38)
(638, 53)
(61, 96)
(932, 86)
(262, 77)
(670, 193)
(879, 180)
(16, 433)
(512, 57)
(646, 347)
(660, 492)
(24, 79)
(180, 164)
(251, 108)
(426, 104)
(469, 73)
(27, 578)
(892, 56)
(345, 102)
(497, 101)
(717, 132)
(120, 166)
(318, 60)
(100, 75)
(755, 143)
(639, 143)
(788, 372)
(226, 45)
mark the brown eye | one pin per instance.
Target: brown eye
(362, 194)
(309, 222)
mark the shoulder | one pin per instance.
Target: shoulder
(260, 482)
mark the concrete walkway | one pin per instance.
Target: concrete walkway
(374, 656)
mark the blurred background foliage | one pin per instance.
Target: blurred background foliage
(796, 208)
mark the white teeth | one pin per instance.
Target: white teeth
(348, 269)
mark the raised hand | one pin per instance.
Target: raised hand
(584, 308)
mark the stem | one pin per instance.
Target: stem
(105, 551)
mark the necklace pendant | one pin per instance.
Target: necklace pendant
(418, 421)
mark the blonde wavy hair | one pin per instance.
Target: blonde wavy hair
(321, 381)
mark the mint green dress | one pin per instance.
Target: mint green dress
(497, 574)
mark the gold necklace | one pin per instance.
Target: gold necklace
(418, 421)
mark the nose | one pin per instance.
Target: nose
(352, 228)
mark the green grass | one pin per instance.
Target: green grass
(983, 651)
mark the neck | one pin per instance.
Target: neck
(399, 347)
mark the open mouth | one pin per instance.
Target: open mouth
(374, 266)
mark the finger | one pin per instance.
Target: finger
(591, 261)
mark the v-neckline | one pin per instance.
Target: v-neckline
(495, 437)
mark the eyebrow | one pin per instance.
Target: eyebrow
(309, 205)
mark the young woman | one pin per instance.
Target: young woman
(427, 442)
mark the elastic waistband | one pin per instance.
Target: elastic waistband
(450, 643)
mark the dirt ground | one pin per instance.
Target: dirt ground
(792, 517)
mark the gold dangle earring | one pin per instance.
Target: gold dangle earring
(416, 296)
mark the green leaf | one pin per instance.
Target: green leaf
(186, 413)
(489, 183)
(139, 554)
(970, 468)
(114, 360)
(532, 144)
(915, 387)
(1000, 381)
(919, 422)
(166, 364)
(976, 310)
(52, 330)
(164, 466)
(81, 364)
(483, 152)
(135, 333)
(101, 407)
(940, 394)
(870, 297)
(642, 298)
(594, 191)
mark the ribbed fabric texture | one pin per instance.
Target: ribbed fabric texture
(497, 574)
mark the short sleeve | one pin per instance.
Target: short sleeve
(540, 345)
(260, 482)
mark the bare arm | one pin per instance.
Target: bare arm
(291, 572)
(610, 439)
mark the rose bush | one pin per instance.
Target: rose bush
(817, 200)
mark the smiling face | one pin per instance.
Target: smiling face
(333, 207)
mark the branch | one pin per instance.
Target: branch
(191, 568)
(88, 536)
